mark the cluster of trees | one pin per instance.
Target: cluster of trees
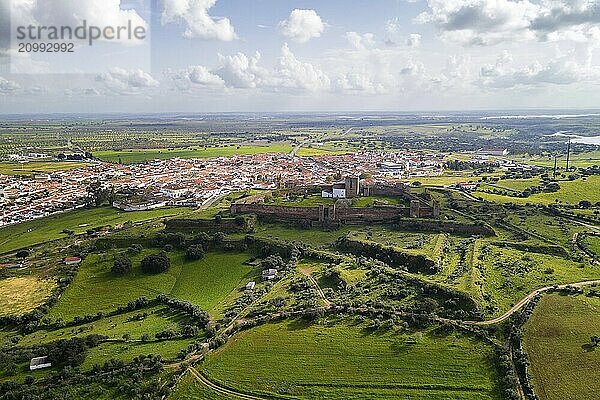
(194, 252)
(156, 263)
(121, 266)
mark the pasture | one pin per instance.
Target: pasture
(19, 295)
(343, 360)
(42, 230)
(205, 282)
(564, 365)
(33, 167)
(141, 155)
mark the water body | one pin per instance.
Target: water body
(591, 140)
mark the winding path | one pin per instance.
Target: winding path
(524, 301)
(320, 291)
(220, 389)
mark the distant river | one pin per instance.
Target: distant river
(593, 140)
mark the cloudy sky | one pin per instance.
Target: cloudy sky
(325, 55)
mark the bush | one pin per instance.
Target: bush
(156, 263)
(194, 252)
(23, 254)
(121, 266)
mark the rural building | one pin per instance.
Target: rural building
(251, 285)
(72, 260)
(39, 363)
(269, 274)
(348, 189)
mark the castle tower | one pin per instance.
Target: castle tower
(352, 187)
(436, 209)
(415, 208)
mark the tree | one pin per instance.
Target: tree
(219, 237)
(416, 184)
(121, 266)
(156, 263)
(585, 204)
(23, 254)
(194, 252)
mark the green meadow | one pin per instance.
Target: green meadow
(41, 230)
(205, 282)
(345, 361)
(564, 365)
(29, 168)
(141, 155)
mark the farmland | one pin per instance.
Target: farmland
(557, 339)
(414, 365)
(19, 295)
(33, 167)
(50, 228)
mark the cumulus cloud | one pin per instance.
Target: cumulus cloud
(302, 25)
(413, 40)
(72, 13)
(8, 87)
(197, 76)
(198, 23)
(562, 71)
(242, 72)
(359, 41)
(296, 74)
(122, 81)
(488, 22)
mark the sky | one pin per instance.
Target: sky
(321, 55)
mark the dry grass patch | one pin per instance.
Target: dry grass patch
(19, 295)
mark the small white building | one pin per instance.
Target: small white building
(174, 192)
(72, 260)
(337, 191)
(269, 274)
(251, 285)
(39, 363)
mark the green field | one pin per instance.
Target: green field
(342, 361)
(9, 168)
(571, 192)
(557, 339)
(204, 282)
(134, 156)
(316, 200)
(45, 229)
(190, 389)
(592, 243)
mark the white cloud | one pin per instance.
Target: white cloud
(125, 82)
(302, 25)
(413, 40)
(199, 24)
(359, 41)
(562, 71)
(296, 74)
(241, 71)
(8, 87)
(488, 22)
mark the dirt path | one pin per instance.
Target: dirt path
(306, 272)
(220, 389)
(524, 301)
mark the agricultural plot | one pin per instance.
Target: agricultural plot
(564, 364)
(346, 361)
(141, 155)
(50, 228)
(592, 243)
(570, 192)
(19, 295)
(34, 167)
(190, 389)
(205, 282)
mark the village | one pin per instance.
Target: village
(198, 182)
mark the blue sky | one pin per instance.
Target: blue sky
(326, 55)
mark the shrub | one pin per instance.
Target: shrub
(194, 252)
(121, 266)
(156, 263)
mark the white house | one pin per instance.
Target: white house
(251, 285)
(72, 260)
(337, 191)
(39, 363)
(269, 274)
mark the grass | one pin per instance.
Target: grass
(41, 230)
(204, 282)
(207, 282)
(137, 155)
(29, 168)
(190, 389)
(557, 339)
(341, 361)
(571, 192)
(159, 318)
(593, 244)
(19, 295)
(316, 200)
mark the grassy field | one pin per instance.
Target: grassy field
(9, 168)
(557, 339)
(45, 229)
(133, 156)
(19, 295)
(190, 389)
(571, 192)
(316, 200)
(593, 244)
(581, 160)
(343, 361)
(204, 282)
